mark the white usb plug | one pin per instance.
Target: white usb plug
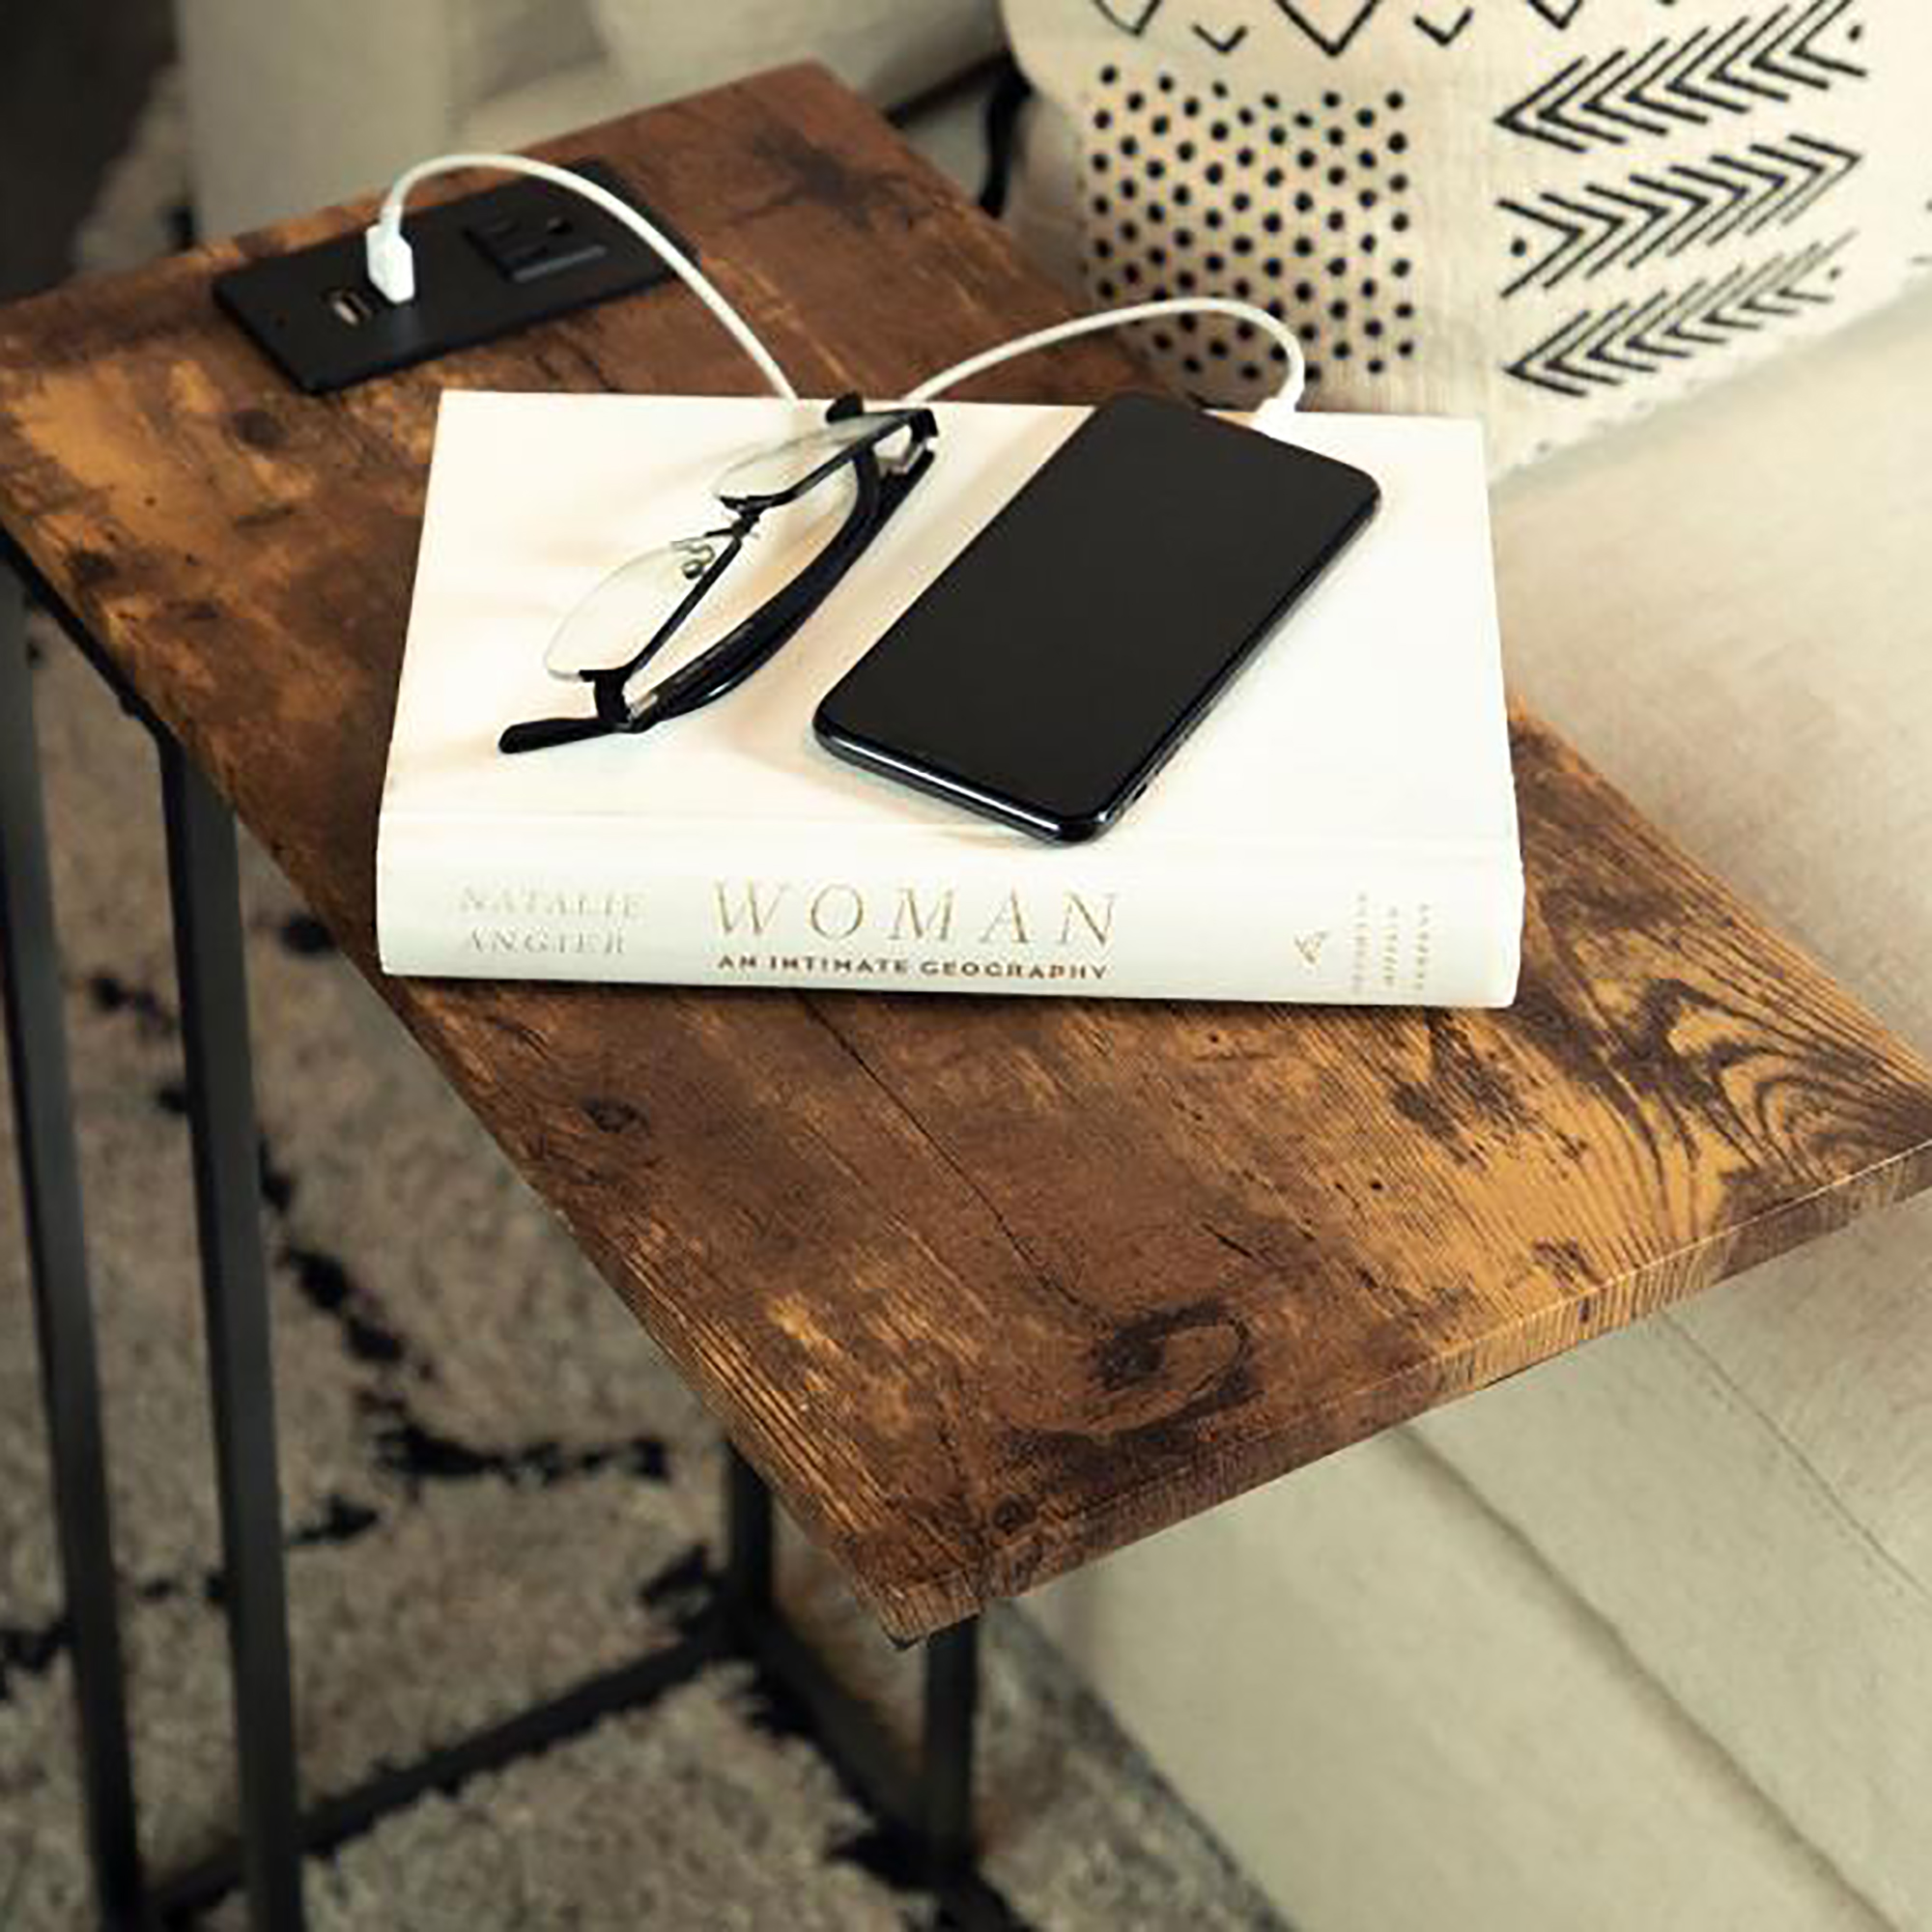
(390, 260)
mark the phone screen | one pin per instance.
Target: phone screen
(1045, 675)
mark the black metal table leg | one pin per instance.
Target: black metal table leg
(931, 1812)
(64, 1319)
(945, 1754)
(748, 1537)
(204, 886)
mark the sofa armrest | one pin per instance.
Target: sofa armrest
(294, 106)
(306, 101)
(889, 50)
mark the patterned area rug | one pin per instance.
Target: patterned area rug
(494, 1487)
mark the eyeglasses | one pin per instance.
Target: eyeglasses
(866, 459)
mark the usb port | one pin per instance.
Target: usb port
(350, 307)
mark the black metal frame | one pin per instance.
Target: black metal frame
(931, 1816)
(739, 1615)
(57, 1257)
(204, 894)
(722, 666)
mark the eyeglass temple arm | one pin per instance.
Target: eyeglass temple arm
(539, 734)
(615, 679)
(883, 423)
(742, 650)
(728, 662)
(736, 656)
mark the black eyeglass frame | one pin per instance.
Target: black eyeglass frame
(724, 666)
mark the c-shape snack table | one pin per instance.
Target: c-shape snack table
(981, 1287)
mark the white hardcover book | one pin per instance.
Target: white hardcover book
(1341, 827)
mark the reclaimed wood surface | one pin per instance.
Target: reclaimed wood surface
(984, 1286)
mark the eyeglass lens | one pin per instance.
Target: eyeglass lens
(776, 467)
(620, 615)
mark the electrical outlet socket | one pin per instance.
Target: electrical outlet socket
(522, 249)
(486, 264)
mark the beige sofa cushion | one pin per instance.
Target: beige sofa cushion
(1644, 1637)
(1398, 1718)
(1732, 612)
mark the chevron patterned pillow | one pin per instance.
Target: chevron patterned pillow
(1554, 213)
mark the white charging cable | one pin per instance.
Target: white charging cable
(1287, 394)
(392, 265)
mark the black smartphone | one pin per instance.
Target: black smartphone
(1052, 667)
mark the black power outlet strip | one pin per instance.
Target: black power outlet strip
(486, 265)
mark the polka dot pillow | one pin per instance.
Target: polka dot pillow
(1552, 214)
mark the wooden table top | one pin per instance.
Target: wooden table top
(984, 1286)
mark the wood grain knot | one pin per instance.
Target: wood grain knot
(1170, 1366)
(259, 429)
(89, 567)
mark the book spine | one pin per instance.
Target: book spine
(1381, 928)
